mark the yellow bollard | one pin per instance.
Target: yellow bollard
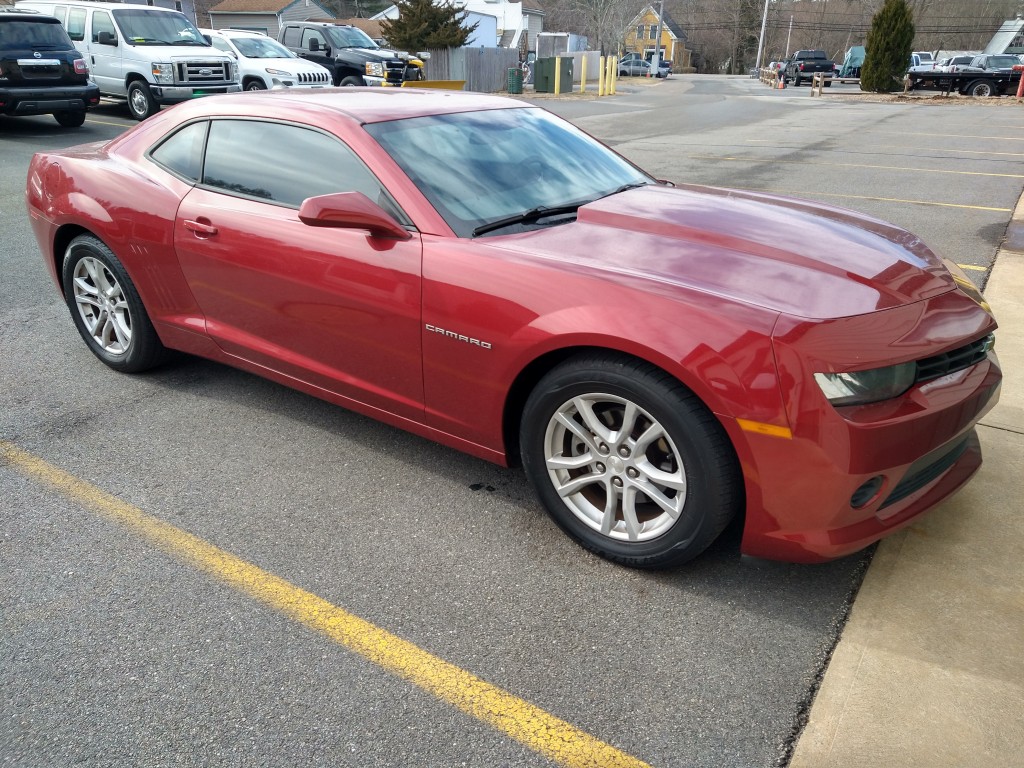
(558, 75)
(583, 74)
(601, 67)
(614, 73)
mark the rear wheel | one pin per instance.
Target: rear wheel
(72, 119)
(351, 81)
(980, 88)
(140, 101)
(255, 85)
(628, 461)
(107, 309)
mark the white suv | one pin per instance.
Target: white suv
(264, 63)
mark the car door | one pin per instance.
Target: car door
(105, 57)
(331, 307)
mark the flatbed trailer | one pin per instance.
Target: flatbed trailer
(966, 83)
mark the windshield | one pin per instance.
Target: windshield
(477, 168)
(145, 27)
(349, 37)
(33, 34)
(261, 48)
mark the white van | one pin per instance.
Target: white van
(145, 54)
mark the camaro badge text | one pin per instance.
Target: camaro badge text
(459, 337)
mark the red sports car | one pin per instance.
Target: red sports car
(659, 358)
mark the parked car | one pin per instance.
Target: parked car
(351, 56)
(634, 66)
(804, 64)
(664, 65)
(661, 359)
(264, 63)
(954, 63)
(1001, 63)
(41, 71)
(147, 55)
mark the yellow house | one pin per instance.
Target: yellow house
(642, 33)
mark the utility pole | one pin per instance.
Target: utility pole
(760, 40)
(656, 59)
(785, 53)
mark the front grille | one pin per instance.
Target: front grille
(954, 360)
(314, 77)
(199, 72)
(394, 70)
(925, 470)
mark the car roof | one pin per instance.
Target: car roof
(363, 105)
(27, 14)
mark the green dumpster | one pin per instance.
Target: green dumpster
(544, 75)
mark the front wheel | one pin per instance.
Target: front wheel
(140, 101)
(628, 461)
(107, 309)
(351, 82)
(255, 85)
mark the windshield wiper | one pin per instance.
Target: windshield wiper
(534, 214)
(626, 187)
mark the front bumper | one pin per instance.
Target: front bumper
(849, 476)
(172, 94)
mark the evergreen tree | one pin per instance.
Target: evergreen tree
(421, 24)
(888, 48)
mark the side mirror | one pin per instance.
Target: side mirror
(106, 38)
(208, 39)
(314, 45)
(350, 210)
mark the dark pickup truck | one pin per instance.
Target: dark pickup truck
(349, 53)
(803, 64)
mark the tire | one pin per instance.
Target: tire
(980, 88)
(72, 119)
(828, 83)
(797, 81)
(107, 309)
(255, 85)
(578, 457)
(140, 101)
(350, 81)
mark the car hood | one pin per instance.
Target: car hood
(793, 256)
(377, 54)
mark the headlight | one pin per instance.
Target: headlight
(860, 387)
(163, 73)
(278, 72)
(375, 69)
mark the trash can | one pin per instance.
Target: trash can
(515, 80)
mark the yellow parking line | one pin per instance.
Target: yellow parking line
(973, 267)
(859, 165)
(806, 195)
(104, 122)
(540, 731)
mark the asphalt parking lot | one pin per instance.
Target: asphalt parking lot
(125, 642)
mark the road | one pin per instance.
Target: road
(117, 650)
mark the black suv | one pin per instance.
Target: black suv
(41, 72)
(349, 53)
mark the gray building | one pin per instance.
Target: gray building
(265, 16)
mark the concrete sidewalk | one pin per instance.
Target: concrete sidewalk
(929, 671)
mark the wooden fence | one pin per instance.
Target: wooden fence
(484, 69)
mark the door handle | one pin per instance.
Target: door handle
(201, 228)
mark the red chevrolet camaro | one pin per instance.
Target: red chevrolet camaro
(660, 358)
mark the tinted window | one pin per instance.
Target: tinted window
(28, 33)
(101, 23)
(306, 163)
(291, 36)
(312, 34)
(76, 24)
(182, 153)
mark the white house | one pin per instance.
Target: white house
(513, 21)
